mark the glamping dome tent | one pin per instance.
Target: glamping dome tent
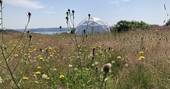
(91, 26)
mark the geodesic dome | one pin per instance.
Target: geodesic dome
(92, 26)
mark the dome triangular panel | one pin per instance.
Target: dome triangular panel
(92, 25)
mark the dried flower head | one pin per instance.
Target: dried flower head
(68, 10)
(28, 32)
(67, 14)
(1, 2)
(67, 19)
(73, 11)
(107, 67)
(89, 15)
(60, 27)
(29, 14)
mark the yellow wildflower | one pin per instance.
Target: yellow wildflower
(141, 58)
(40, 57)
(38, 72)
(61, 77)
(39, 67)
(49, 48)
(141, 53)
(25, 78)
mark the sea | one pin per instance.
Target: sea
(47, 31)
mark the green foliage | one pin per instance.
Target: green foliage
(87, 73)
(124, 25)
(138, 78)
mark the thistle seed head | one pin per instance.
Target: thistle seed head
(107, 67)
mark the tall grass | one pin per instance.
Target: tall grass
(52, 62)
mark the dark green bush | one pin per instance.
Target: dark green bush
(124, 25)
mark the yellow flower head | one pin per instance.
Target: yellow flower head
(141, 58)
(38, 72)
(40, 57)
(39, 67)
(61, 77)
(25, 78)
(49, 49)
(141, 53)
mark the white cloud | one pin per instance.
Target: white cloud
(31, 4)
(117, 2)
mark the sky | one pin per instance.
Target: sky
(51, 13)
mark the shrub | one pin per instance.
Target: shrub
(124, 25)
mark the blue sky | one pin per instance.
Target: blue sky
(51, 13)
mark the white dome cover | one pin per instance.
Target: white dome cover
(92, 25)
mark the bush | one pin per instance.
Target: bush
(124, 25)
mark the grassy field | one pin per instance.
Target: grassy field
(139, 60)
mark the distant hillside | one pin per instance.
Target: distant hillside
(9, 30)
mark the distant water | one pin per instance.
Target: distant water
(48, 31)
